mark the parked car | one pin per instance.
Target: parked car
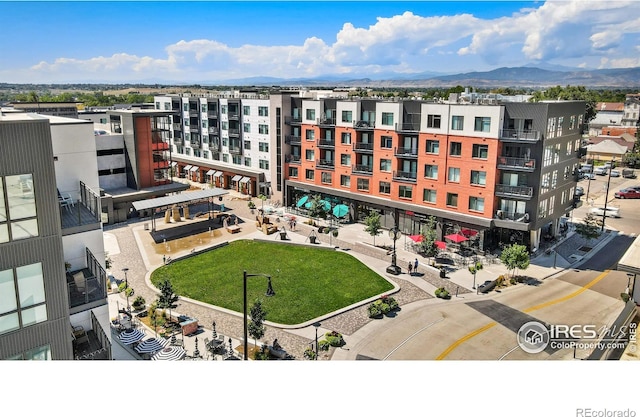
(628, 193)
(586, 168)
(486, 286)
(628, 173)
(611, 211)
(579, 191)
(589, 176)
(615, 173)
(600, 171)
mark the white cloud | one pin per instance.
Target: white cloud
(595, 33)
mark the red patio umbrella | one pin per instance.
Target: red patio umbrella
(456, 238)
(416, 238)
(440, 244)
(469, 232)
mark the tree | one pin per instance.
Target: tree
(255, 327)
(316, 207)
(570, 93)
(515, 257)
(374, 228)
(167, 298)
(428, 243)
(590, 227)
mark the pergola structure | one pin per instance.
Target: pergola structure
(158, 204)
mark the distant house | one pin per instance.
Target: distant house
(608, 115)
(608, 149)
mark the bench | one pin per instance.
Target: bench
(278, 353)
(233, 229)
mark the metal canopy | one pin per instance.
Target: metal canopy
(211, 172)
(236, 178)
(187, 168)
(245, 179)
(194, 168)
(218, 174)
(170, 200)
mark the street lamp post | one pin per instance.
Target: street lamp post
(316, 325)
(475, 269)
(126, 290)
(606, 196)
(269, 293)
(394, 234)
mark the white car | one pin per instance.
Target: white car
(615, 173)
(611, 211)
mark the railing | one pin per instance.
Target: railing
(193, 127)
(177, 126)
(212, 114)
(408, 127)
(101, 335)
(291, 119)
(292, 159)
(233, 116)
(405, 175)
(364, 124)
(514, 190)
(84, 212)
(291, 140)
(213, 130)
(362, 169)
(326, 142)
(325, 163)
(520, 135)
(237, 150)
(513, 216)
(89, 284)
(235, 132)
(511, 162)
(194, 112)
(410, 151)
(360, 146)
(326, 121)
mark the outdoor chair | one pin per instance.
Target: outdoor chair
(65, 200)
(79, 335)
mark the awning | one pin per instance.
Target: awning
(194, 168)
(245, 179)
(236, 178)
(218, 174)
(170, 200)
(210, 172)
(187, 168)
(174, 163)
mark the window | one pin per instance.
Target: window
(247, 145)
(263, 111)
(224, 125)
(363, 184)
(431, 171)
(18, 217)
(434, 121)
(405, 191)
(309, 155)
(346, 138)
(478, 178)
(386, 142)
(429, 196)
(310, 134)
(205, 124)
(263, 164)
(185, 106)
(225, 141)
(293, 171)
(263, 129)
(482, 124)
(572, 122)
(569, 148)
(309, 174)
(204, 107)
(263, 146)
(385, 187)
(387, 119)
(480, 151)
(345, 180)
(455, 149)
(385, 165)
(452, 200)
(559, 126)
(476, 204)
(246, 128)
(325, 177)
(311, 114)
(246, 110)
(225, 157)
(457, 122)
(454, 174)
(27, 306)
(236, 159)
(345, 159)
(247, 161)
(223, 109)
(551, 127)
(433, 146)
(347, 116)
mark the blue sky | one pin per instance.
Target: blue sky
(210, 41)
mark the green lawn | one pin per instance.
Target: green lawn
(308, 282)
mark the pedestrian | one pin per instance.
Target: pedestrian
(294, 224)
(415, 266)
(410, 267)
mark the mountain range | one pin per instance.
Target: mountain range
(525, 76)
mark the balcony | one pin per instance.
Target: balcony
(362, 169)
(235, 150)
(582, 151)
(233, 116)
(194, 127)
(87, 287)
(516, 164)
(196, 144)
(408, 127)
(408, 152)
(517, 191)
(327, 122)
(194, 113)
(326, 143)
(82, 215)
(212, 114)
(363, 147)
(364, 125)
(325, 164)
(513, 216)
(177, 126)
(234, 132)
(291, 120)
(292, 159)
(408, 176)
(292, 140)
(213, 130)
(519, 136)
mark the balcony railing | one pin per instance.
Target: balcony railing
(514, 191)
(194, 112)
(364, 125)
(292, 140)
(177, 126)
(513, 216)
(292, 159)
(362, 169)
(363, 147)
(194, 127)
(325, 164)
(326, 142)
(212, 114)
(406, 152)
(236, 150)
(82, 215)
(87, 285)
(405, 176)
(291, 119)
(508, 162)
(408, 127)
(213, 130)
(515, 135)
(234, 116)
(325, 121)
(234, 132)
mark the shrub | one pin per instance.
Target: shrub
(139, 302)
(335, 233)
(262, 354)
(391, 302)
(442, 293)
(309, 353)
(472, 269)
(334, 338)
(122, 287)
(324, 345)
(374, 310)
(478, 266)
(513, 281)
(624, 296)
(500, 281)
(251, 205)
(384, 307)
